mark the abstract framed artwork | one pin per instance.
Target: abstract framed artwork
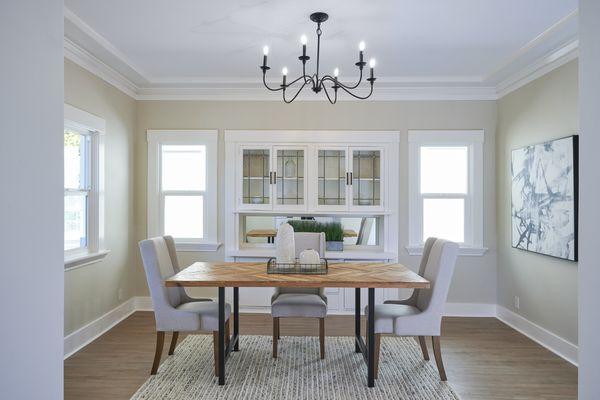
(544, 198)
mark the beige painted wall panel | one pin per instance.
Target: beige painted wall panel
(475, 277)
(93, 290)
(545, 109)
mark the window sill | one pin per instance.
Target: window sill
(80, 260)
(467, 251)
(195, 246)
(330, 255)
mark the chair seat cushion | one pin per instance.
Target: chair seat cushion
(386, 314)
(207, 311)
(299, 305)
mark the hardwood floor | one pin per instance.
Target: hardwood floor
(484, 358)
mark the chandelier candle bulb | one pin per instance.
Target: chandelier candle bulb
(372, 65)
(361, 48)
(265, 53)
(284, 71)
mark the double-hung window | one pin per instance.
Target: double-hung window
(83, 152)
(182, 188)
(446, 189)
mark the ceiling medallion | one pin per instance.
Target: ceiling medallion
(320, 83)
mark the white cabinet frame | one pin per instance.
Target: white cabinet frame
(385, 141)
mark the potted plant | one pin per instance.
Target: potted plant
(334, 234)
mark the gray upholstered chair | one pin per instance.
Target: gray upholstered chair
(412, 300)
(301, 302)
(185, 298)
(424, 318)
(172, 312)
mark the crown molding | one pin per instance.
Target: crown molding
(554, 59)
(89, 62)
(114, 67)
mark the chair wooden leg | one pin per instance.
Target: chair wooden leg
(160, 340)
(437, 352)
(377, 349)
(423, 345)
(275, 335)
(278, 329)
(322, 337)
(173, 343)
(216, 351)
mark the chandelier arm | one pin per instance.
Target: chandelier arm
(267, 86)
(356, 96)
(331, 79)
(329, 98)
(296, 95)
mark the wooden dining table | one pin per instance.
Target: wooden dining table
(369, 275)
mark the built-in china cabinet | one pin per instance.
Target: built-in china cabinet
(350, 177)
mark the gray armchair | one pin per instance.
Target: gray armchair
(412, 300)
(185, 298)
(424, 316)
(173, 311)
(301, 302)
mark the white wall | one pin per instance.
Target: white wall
(545, 109)
(475, 277)
(95, 289)
(589, 265)
(31, 199)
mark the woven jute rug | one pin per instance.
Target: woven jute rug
(297, 373)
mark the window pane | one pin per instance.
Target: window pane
(183, 167)
(444, 218)
(184, 216)
(75, 221)
(444, 169)
(75, 145)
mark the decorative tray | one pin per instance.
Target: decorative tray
(273, 267)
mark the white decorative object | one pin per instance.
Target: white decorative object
(285, 247)
(309, 256)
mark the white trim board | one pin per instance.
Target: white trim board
(541, 336)
(75, 341)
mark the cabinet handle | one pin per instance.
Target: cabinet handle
(274, 177)
(351, 178)
(270, 177)
(347, 178)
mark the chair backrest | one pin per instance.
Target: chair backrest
(438, 271)
(172, 252)
(158, 267)
(307, 241)
(425, 256)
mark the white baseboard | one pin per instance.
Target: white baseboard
(542, 336)
(561, 347)
(83, 336)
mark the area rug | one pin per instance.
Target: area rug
(297, 373)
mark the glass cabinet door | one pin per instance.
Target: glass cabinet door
(255, 178)
(366, 176)
(289, 177)
(332, 179)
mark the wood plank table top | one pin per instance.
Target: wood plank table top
(351, 275)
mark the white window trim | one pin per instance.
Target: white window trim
(208, 138)
(474, 140)
(95, 250)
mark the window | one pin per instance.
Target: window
(83, 152)
(446, 189)
(182, 188)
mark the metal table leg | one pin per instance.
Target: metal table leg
(356, 318)
(371, 339)
(221, 336)
(236, 318)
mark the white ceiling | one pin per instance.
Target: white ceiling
(190, 43)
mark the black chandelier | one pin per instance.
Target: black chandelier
(320, 83)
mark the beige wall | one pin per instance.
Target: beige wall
(546, 108)
(93, 290)
(475, 277)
